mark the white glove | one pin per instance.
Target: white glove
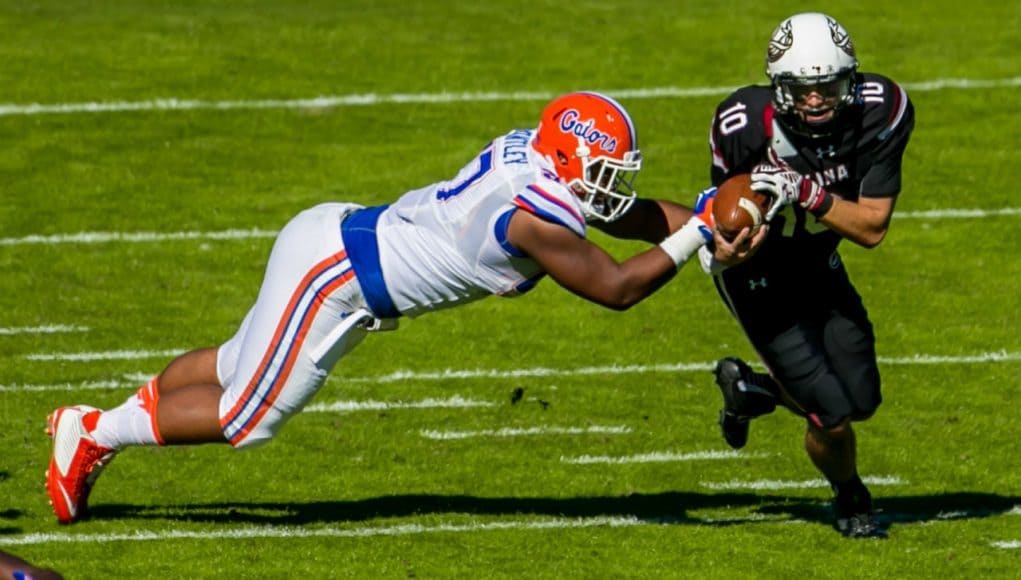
(789, 186)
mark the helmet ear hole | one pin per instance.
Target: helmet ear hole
(562, 158)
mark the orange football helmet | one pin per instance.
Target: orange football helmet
(591, 142)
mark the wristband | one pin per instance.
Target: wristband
(681, 244)
(824, 204)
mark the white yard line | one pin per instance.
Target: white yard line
(86, 386)
(456, 374)
(957, 213)
(292, 533)
(524, 432)
(450, 374)
(256, 233)
(931, 359)
(348, 406)
(45, 329)
(136, 237)
(372, 99)
(330, 532)
(109, 355)
(660, 457)
(774, 484)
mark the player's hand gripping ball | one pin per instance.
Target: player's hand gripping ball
(738, 206)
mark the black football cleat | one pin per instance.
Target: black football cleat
(745, 396)
(855, 516)
(730, 373)
(734, 429)
(860, 525)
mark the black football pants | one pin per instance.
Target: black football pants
(812, 331)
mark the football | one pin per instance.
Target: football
(737, 206)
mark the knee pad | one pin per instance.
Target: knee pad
(850, 344)
(865, 414)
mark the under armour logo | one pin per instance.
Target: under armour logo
(756, 284)
(827, 152)
(834, 261)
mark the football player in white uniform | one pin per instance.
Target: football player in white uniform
(14, 568)
(516, 212)
(827, 141)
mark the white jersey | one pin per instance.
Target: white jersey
(446, 244)
(433, 248)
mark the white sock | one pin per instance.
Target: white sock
(132, 423)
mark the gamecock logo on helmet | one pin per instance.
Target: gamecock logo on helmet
(781, 42)
(840, 37)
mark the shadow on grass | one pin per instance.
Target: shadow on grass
(913, 508)
(9, 513)
(665, 508)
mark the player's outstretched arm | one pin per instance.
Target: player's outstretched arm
(586, 269)
(648, 220)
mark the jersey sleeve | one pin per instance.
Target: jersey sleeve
(553, 203)
(890, 118)
(739, 133)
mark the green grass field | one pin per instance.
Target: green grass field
(540, 437)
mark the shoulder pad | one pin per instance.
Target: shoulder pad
(886, 108)
(553, 202)
(740, 131)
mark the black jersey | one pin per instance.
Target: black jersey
(860, 158)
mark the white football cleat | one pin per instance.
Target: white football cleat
(76, 462)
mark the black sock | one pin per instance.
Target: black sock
(852, 494)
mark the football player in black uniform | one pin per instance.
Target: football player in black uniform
(827, 141)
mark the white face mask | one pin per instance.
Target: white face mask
(607, 186)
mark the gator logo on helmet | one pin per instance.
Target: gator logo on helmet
(587, 130)
(782, 41)
(840, 37)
